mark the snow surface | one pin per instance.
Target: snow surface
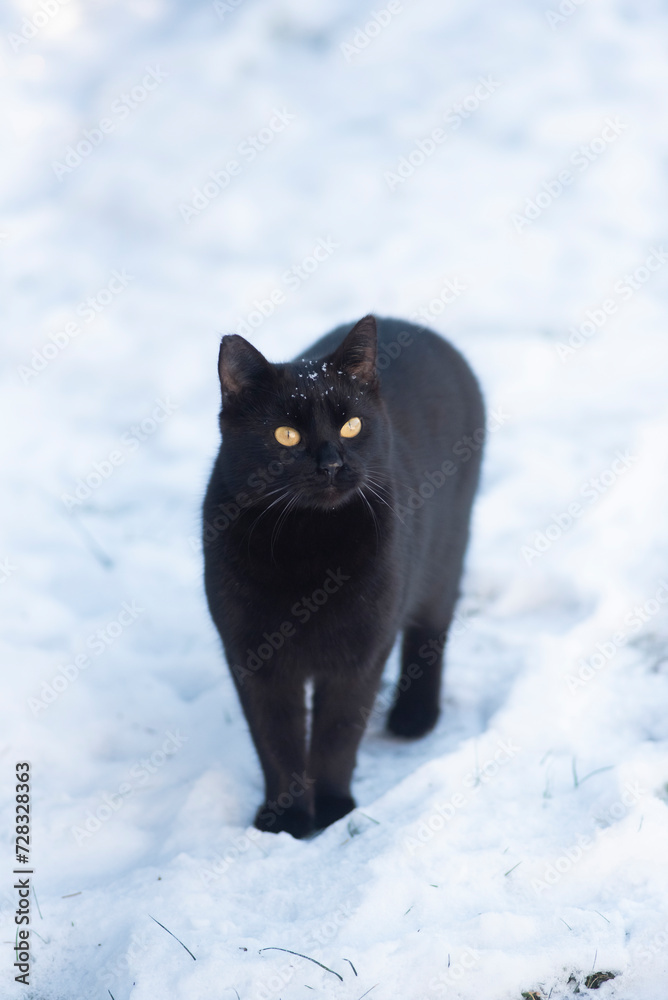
(549, 766)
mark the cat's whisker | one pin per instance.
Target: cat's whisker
(397, 483)
(380, 471)
(383, 500)
(284, 493)
(282, 518)
(388, 478)
(276, 530)
(380, 486)
(283, 490)
(373, 516)
(372, 476)
(272, 493)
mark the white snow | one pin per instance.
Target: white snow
(524, 841)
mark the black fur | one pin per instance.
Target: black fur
(318, 555)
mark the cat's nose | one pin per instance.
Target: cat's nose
(329, 460)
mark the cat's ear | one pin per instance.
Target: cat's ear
(356, 356)
(241, 366)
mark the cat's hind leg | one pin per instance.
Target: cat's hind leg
(416, 704)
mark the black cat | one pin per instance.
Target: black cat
(337, 515)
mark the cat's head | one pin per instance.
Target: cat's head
(315, 433)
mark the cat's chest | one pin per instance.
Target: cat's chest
(321, 573)
(287, 578)
(324, 612)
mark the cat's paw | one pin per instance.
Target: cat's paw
(293, 820)
(411, 721)
(329, 808)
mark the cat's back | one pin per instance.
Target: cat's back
(430, 392)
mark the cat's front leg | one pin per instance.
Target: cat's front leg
(341, 706)
(274, 705)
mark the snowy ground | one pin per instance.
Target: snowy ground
(522, 843)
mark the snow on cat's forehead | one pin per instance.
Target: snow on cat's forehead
(320, 366)
(313, 374)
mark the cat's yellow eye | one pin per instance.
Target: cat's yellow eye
(287, 436)
(351, 428)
